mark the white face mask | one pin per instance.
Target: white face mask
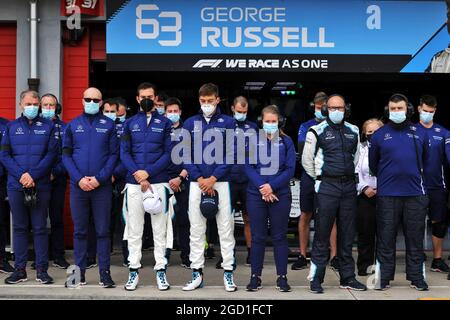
(208, 109)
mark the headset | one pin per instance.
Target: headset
(320, 96)
(348, 107)
(58, 109)
(281, 120)
(409, 106)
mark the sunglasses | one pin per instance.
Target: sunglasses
(91, 99)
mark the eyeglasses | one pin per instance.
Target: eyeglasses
(91, 99)
(336, 108)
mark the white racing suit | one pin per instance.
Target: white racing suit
(225, 226)
(134, 213)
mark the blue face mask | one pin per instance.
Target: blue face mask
(397, 117)
(270, 128)
(173, 117)
(426, 117)
(160, 110)
(319, 115)
(336, 116)
(48, 113)
(122, 118)
(31, 112)
(111, 115)
(91, 107)
(240, 116)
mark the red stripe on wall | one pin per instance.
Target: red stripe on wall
(8, 36)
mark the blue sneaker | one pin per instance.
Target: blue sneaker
(5, 267)
(315, 286)
(43, 277)
(19, 275)
(255, 283)
(196, 281)
(105, 279)
(282, 284)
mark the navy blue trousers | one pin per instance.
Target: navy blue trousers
(56, 213)
(82, 204)
(277, 213)
(182, 221)
(22, 215)
(4, 212)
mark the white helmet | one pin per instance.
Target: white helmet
(151, 201)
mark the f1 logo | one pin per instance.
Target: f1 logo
(212, 63)
(154, 23)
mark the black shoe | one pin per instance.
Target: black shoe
(334, 264)
(209, 253)
(362, 273)
(439, 265)
(315, 286)
(43, 277)
(126, 263)
(219, 263)
(91, 263)
(61, 263)
(185, 262)
(419, 285)
(5, 267)
(383, 286)
(282, 284)
(300, 264)
(16, 277)
(105, 279)
(353, 284)
(255, 283)
(33, 265)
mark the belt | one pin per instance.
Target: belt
(345, 178)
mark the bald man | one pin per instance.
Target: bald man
(90, 155)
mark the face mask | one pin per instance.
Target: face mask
(397, 117)
(146, 105)
(122, 118)
(91, 107)
(319, 115)
(174, 117)
(336, 116)
(111, 115)
(208, 109)
(48, 113)
(270, 128)
(240, 116)
(31, 112)
(426, 117)
(160, 110)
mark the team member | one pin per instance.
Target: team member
(395, 157)
(90, 155)
(367, 191)
(178, 183)
(210, 176)
(122, 110)
(28, 151)
(51, 110)
(5, 267)
(329, 157)
(145, 152)
(160, 102)
(239, 180)
(269, 198)
(434, 179)
(307, 192)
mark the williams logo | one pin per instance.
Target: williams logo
(211, 63)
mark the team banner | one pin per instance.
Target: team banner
(278, 35)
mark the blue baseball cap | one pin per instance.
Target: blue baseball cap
(209, 205)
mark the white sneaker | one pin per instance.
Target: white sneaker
(133, 280)
(196, 282)
(228, 281)
(161, 280)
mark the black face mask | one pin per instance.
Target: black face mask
(147, 105)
